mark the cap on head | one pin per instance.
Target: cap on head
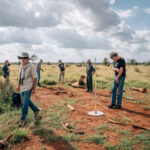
(113, 54)
(23, 55)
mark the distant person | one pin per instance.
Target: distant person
(90, 70)
(62, 71)
(6, 70)
(39, 69)
(119, 68)
(27, 84)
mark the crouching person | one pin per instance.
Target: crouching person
(90, 70)
(27, 85)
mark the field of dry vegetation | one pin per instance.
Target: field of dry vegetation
(48, 133)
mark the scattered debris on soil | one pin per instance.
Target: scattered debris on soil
(4, 143)
(68, 127)
(70, 107)
(143, 90)
(80, 83)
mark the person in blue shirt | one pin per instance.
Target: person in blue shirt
(39, 69)
(90, 70)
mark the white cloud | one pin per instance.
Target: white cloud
(112, 1)
(126, 13)
(69, 30)
(147, 10)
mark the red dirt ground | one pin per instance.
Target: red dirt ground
(135, 112)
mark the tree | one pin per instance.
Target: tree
(33, 58)
(132, 62)
(106, 62)
(19, 62)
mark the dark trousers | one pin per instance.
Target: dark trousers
(89, 83)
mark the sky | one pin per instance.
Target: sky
(75, 30)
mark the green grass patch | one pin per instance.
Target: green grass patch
(101, 84)
(136, 83)
(19, 136)
(140, 141)
(146, 107)
(124, 132)
(96, 139)
(48, 82)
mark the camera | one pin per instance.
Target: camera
(21, 81)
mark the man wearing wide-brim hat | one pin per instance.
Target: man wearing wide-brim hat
(27, 84)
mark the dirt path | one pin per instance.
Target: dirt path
(130, 113)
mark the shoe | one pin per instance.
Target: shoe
(112, 106)
(22, 124)
(87, 91)
(117, 107)
(90, 91)
(36, 113)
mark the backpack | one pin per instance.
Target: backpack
(16, 98)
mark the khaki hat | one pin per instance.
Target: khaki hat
(23, 55)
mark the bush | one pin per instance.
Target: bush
(19, 136)
(1, 72)
(137, 70)
(47, 82)
(6, 91)
(67, 65)
(78, 65)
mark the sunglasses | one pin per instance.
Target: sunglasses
(24, 57)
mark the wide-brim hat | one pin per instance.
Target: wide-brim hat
(23, 55)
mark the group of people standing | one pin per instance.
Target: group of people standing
(29, 77)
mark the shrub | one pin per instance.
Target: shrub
(19, 136)
(1, 72)
(6, 91)
(78, 65)
(137, 70)
(47, 82)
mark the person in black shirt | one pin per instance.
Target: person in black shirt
(119, 68)
(62, 71)
(6, 69)
(90, 70)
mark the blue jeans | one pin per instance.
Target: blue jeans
(120, 91)
(26, 102)
(39, 76)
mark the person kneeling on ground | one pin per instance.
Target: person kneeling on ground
(39, 69)
(119, 68)
(90, 70)
(62, 71)
(6, 69)
(27, 84)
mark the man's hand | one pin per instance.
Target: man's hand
(116, 69)
(117, 80)
(92, 73)
(18, 88)
(33, 91)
